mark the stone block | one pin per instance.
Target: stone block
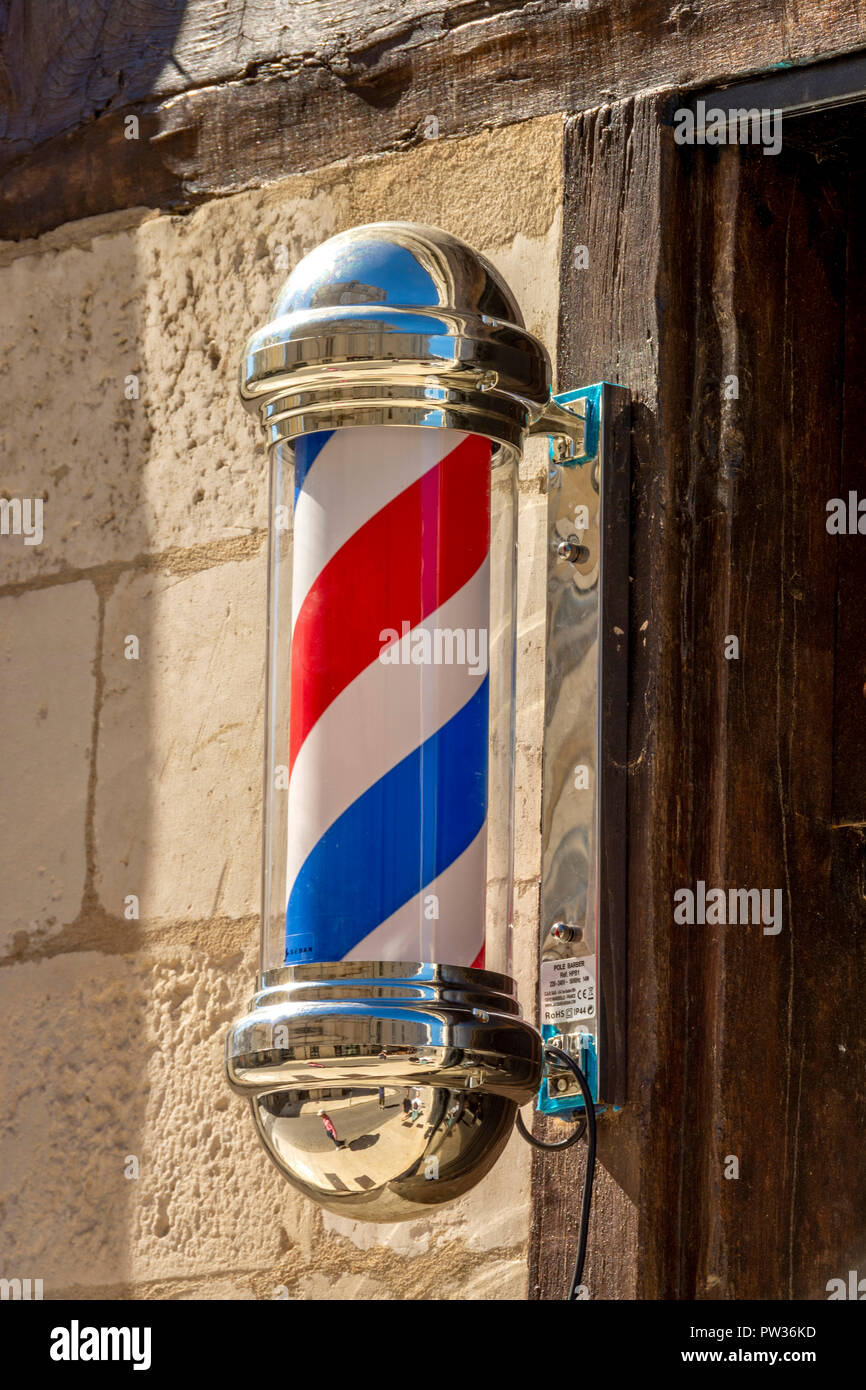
(48, 644)
(179, 760)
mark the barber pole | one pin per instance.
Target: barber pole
(395, 383)
(388, 754)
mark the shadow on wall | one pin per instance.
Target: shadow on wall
(76, 442)
(76, 635)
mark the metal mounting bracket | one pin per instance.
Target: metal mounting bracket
(583, 889)
(567, 421)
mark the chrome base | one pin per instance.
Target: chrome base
(382, 1088)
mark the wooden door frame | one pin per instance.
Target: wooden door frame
(721, 1060)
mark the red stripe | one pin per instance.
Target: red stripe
(478, 963)
(402, 565)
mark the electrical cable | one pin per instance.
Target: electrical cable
(566, 1143)
(587, 1126)
(589, 1175)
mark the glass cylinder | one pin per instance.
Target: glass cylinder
(390, 698)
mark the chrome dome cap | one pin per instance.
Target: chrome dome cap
(396, 323)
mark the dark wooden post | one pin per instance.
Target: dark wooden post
(723, 287)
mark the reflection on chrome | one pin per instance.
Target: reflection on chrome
(392, 1159)
(382, 1088)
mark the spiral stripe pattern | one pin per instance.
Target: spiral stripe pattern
(389, 726)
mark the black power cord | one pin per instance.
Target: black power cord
(585, 1126)
(577, 1133)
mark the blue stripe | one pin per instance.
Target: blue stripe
(307, 450)
(394, 840)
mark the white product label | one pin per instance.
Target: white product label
(567, 989)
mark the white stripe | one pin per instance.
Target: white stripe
(456, 936)
(356, 474)
(379, 718)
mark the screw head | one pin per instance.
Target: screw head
(572, 550)
(563, 931)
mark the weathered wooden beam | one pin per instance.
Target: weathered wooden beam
(759, 1052)
(724, 288)
(624, 201)
(849, 717)
(256, 92)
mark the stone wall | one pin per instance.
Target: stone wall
(133, 783)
